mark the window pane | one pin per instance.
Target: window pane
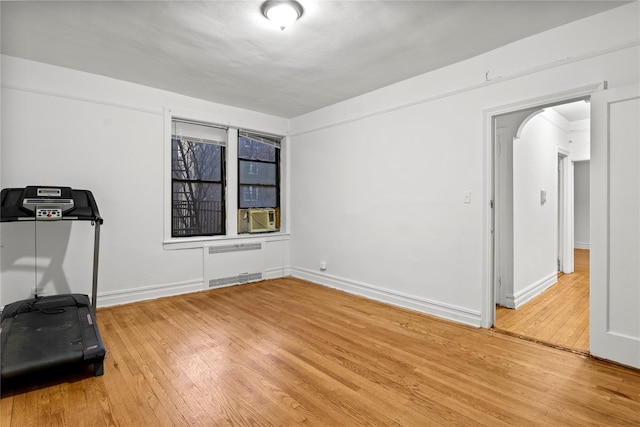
(196, 161)
(257, 173)
(254, 150)
(258, 197)
(197, 209)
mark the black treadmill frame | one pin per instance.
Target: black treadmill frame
(11, 210)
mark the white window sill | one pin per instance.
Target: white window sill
(199, 242)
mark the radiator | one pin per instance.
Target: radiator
(233, 263)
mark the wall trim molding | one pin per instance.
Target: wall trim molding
(81, 98)
(411, 302)
(533, 290)
(277, 272)
(582, 245)
(142, 293)
(468, 88)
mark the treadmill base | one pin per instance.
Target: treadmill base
(49, 332)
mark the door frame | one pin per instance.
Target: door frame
(565, 212)
(488, 310)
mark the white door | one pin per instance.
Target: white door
(615, 225)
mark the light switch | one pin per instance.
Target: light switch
(467, 196)
(543, 196)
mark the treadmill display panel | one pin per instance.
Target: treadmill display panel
(49, 203)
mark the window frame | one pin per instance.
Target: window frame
(222, 145)
(276, 163)
(231, 179)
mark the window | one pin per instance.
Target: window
(197, 179)
(221, 182)
(258, 178)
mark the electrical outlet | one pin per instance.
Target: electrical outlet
(323, 265)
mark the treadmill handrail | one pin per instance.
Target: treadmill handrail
(11, 211)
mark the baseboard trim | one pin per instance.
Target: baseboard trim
(277, 272)
(577, 245)
(534, 289)
(127, 296)
(423, 305)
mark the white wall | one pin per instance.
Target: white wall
(535, 225)
(505, 129)
(64, 127)
(378, 180)
(1, 173)
(582, 172)
(580, 135)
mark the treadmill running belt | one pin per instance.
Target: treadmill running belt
(43, 334)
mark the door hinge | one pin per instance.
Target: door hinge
(491, 204)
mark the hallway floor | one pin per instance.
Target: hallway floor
(559, 316)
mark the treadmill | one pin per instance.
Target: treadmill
(46, 332)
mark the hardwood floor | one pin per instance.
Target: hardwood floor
(560, 315)
(287, 352)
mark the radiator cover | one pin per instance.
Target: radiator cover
(233, 263)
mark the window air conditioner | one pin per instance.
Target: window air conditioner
(262, 220)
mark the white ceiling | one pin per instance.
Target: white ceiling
(227, 52)
(574, 111)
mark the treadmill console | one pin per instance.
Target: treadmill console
(47, 203)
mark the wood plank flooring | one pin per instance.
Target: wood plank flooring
(560, 315)
(287, 352)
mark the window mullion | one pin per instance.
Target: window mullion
(231, 191)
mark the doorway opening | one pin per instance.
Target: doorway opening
(541, 272)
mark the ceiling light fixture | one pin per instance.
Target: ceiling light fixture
(283, 13)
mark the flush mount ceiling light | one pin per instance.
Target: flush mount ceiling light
(283, 13)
